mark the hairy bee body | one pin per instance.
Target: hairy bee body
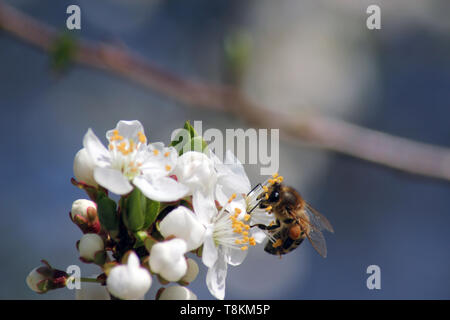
(295, 221)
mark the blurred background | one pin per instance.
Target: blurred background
(311, 56)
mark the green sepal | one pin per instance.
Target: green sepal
(100, 258)
(135, 207)
(107, 214)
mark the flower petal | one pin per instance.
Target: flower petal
(235, 256)
(216, 276)
(97, 151)
(209, 253)
(127, 129)
(113, 180)
(163, 189)
(182, 223)
(204, 206)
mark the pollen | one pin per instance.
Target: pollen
(141, 136)
(166, 154)
(266, 196)
(265, 188)
(247, 217)
(233, 196)
(168, 168)
(271, 181)
(275, 175)
(156, 152)
(237, 210)
(269, 208)
(244, 248)
(277, 243)
(280, 179)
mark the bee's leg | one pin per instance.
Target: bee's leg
(258, 185)
(264, 227)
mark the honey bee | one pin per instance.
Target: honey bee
(295, 220)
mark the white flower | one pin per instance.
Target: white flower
(33, 279)
(81, 206)
(89, 245)
(191, 272)
(177, 293)
(130, 281)
(183, 223)
(196, 171)
(130, 161)
(232, 179)
(167, 259)
(83, 168)
(228, 235)
(92, 291)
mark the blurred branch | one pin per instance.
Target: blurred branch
(317, 131)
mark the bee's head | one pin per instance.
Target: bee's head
(271, 197)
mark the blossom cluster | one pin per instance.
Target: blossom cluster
(174, 201)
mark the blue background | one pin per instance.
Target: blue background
(397, 221)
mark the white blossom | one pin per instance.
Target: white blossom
(130, 161)
(33, 279)
(182, 223)
(89, 245)
(167, 259)
(83, 167)
(80, 207)
(129, 281)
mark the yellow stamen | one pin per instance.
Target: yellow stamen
(265, 188)
(168, 168)
(244, 248)
(111, 147)
(269, 208)
(280, 179)
(166, 154)
(156, 152)
(266, 196)
(238, 241)
(246, 217)
(142, 138)
(275, 175)
(237, 210)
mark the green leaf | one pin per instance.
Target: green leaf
(135, 210)
(107, 214)
(188, 135)
(151, 212)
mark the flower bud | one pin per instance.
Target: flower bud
(45, 278)
(191, 273)
(182, 223)
(129, 281)
(33, 280)
(83, 168)
(195, 170)
(167, 259)
(177, 293)
(89, 245)
(84, 215)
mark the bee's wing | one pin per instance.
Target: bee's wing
(317, 220)
(315, 236)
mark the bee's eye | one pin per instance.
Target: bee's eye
(274, 196)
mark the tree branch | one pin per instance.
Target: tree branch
(329, 134)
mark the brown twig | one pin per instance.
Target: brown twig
(318, 131)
